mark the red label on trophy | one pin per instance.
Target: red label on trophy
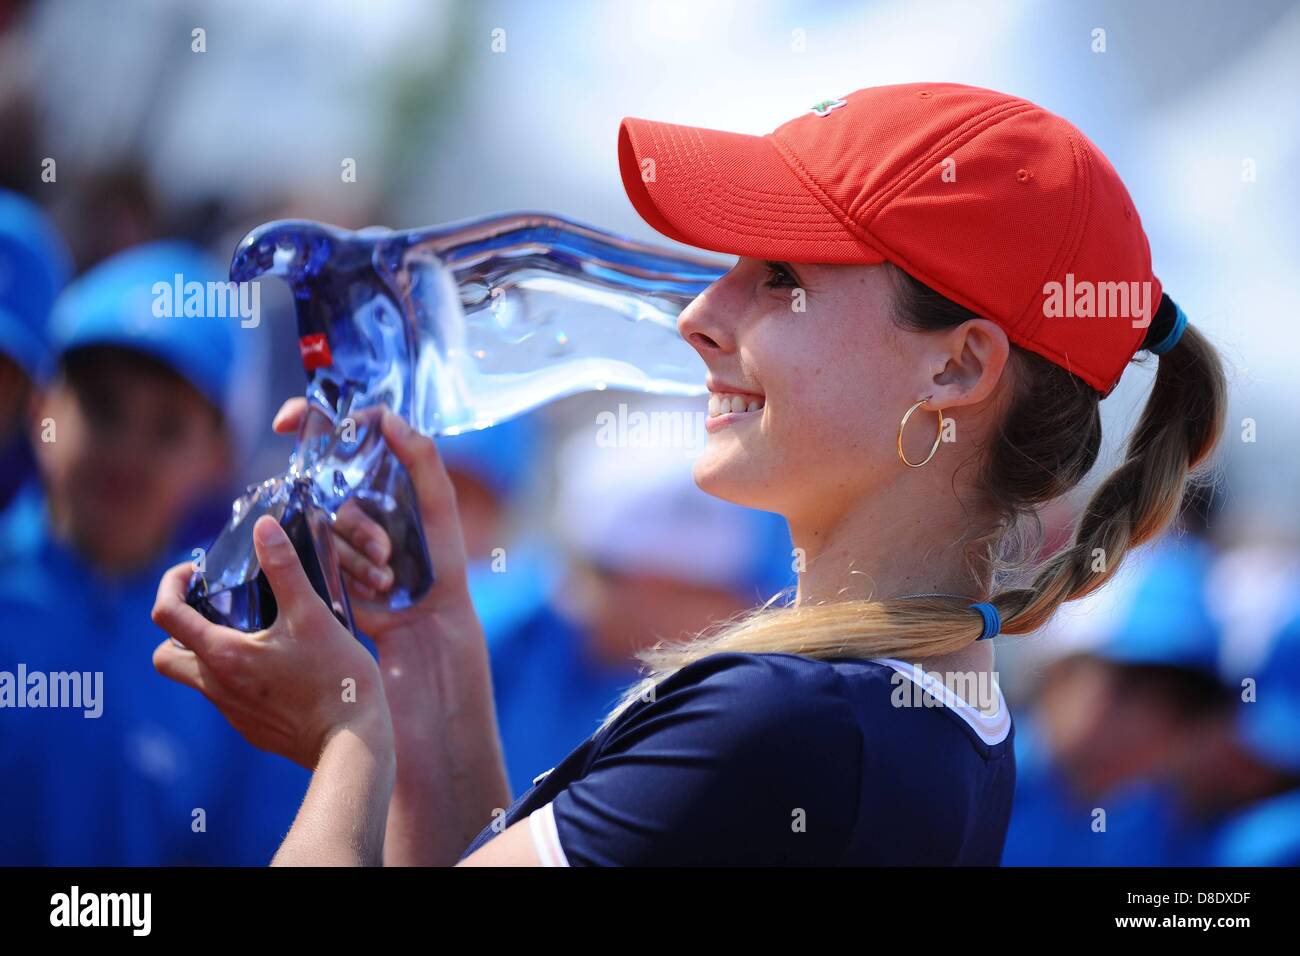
(315, 351)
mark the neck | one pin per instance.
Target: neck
(887, 547)
(893, 545)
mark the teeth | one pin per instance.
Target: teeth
(722, 403)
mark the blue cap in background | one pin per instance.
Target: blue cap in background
(502, 457)
(1270, 725)
(34, 267)
(114, 304)
(1167, 619)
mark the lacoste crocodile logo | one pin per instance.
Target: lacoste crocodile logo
(825, 106)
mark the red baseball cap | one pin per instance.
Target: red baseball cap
(988, 199)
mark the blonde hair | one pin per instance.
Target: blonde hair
(1048, 440)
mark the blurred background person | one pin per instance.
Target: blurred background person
(1100, 751)
(34, 267)
(1241, 784)
(498, 474)
(128, 435)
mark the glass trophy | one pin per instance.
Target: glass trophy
(454, 327)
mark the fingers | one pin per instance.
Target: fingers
(178, 619)
(184, 668)
(289, 417)
(366, 578)
(294, 594)
(419, 455)
(363, 533)
(363, 549)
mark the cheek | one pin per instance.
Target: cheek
(821, 430)
(834, 392)
(176, 475)
(826, 424)
(166, 490)
(184, 470)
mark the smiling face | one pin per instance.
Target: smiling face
(804, 405)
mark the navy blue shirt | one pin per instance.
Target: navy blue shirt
(777, 759)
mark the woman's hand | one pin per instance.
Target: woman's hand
(364, 549)
(290, 688)
(434, 663)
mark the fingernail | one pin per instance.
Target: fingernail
(378, 577)
(376, 552)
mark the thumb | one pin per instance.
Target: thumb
(294, 594)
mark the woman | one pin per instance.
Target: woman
(936, 286)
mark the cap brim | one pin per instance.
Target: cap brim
(731, 193)
(178, 360)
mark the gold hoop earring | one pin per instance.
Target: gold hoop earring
(938, 435)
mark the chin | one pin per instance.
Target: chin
(726, 471)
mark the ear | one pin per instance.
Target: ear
(968, 363)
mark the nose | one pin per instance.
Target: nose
(704, 323)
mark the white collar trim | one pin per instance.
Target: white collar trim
(991, 728)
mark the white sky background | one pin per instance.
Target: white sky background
(1184, 92)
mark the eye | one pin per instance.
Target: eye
(169, 432)
(101, 407)
(780, 276)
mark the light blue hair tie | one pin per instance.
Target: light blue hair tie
(1174, 334)
(992, 620)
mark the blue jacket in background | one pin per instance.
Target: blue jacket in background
(160, 777)
(1051, 826)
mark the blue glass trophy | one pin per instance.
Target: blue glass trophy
(454, 327)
